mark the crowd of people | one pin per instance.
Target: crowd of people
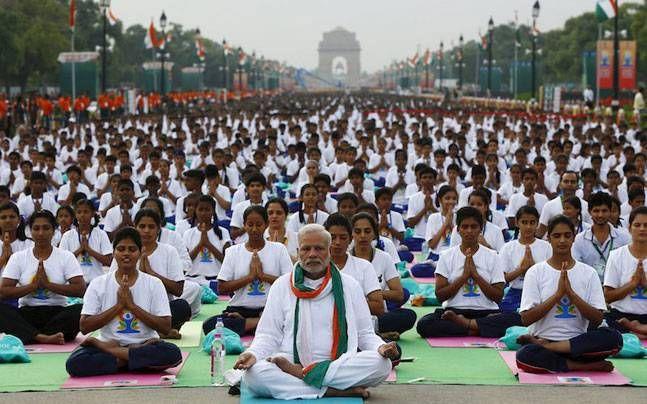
(302, 208)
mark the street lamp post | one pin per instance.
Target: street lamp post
(104, 5)
(490, 27)
(226, 67)
(460, 62)
(440, 66)
(615, 103)
(535, 15)
(240, 72)
(162, 51)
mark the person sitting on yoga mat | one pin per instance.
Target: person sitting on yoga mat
(625, 280)
(391, 223)
(520, 254)
(491, 235)
(130, 309)
(395, 319)
(42, 277)
(308, 212)
(562, 305)
(163, 262)
(469, 283)
(277, 213)
(309, 310)
(347, 204)
(421, 204)
(381, 243)
(341, 232)
(248, 271)
(440, 224)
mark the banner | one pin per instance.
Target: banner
(605, 64)
(627, 65)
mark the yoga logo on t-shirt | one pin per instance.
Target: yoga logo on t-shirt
(256, 288)
(471, 289)
(86, 260)
(128, 324)
(639, 293)
(565, 309)
(40, 293)
(205, 255)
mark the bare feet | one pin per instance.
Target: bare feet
(600, 366)
(234, 315)
(530, 339)
(629, 325)
(456, 318)
(55, 339)
(97, 343)
(173, 334)
(288, 367)
(352, 392)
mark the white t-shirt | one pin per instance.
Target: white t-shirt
(519, 200)
(64, 191)
(554, 207)
(205, 264)
(512, 254)
(564, 320)
(396, 222)
(98, 241)
(416, 205)
(434, 224)
(27, 206)
(113, 218)
(488, 265)
(237, 215)
(148, 293)
(291, 241)
(363, 272)
(276, 262)
(60, 267)
(619, 270)
(17, 245)
(295, 224)
(384, 268)
(492, 234)
(176, 241)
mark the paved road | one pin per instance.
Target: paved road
(382, 395)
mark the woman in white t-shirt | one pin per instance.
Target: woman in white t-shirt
(181, 226)
(130, 309)
(395, 319)
(163, 262)
(469, 283)
(42, 278)
(491, 235)
(277, 212)
(88, 242)
(12, 229)
(562, 304)
(206, 241)
(248, 271)
(341, 233)
(625, 280)
(440, 224)
(520, 254)
(308, 212)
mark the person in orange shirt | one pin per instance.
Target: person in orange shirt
(46, 109)
(104, 105)
(118, 104)
(65, 107)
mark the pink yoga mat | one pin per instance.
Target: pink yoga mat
(247, 340)
(165, 378)
(424, 280)
(644, 342)
(50, 348)
(614, 378)
(392, 377)
(462, 342)
(224, 298)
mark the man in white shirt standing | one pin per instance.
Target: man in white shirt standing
(288, 358)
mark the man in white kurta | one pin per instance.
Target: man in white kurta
(271, 368)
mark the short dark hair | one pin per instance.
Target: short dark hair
(599, 199)
(560, 219)
(280, 201)
(148, 213)
(641, 210)
(337, 219)
(127, 233)
(255, 209)
(44, 214)
(371, 220)
(467, 212)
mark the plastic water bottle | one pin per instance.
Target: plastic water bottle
(218, 356)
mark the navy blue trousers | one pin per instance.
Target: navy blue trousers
(152, 357)
(592, 346)
(511, 301)
(613, 315)
(398, 320)
(491, 323)
(29, 321)
(180, 313)
(235, 324)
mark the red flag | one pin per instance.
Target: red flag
(151, 40)
(72, 14)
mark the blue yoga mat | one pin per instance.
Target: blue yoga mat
(246, 397)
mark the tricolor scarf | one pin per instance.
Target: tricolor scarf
(314, 373)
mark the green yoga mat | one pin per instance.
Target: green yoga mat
(195, 372)
(246, 397)
(451, 366)
(191, 332)
(46, 372)
(210, 310)
(634, 369)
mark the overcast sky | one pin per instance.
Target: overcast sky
(290, 30)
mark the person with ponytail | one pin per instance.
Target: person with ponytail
(573, 211)
(308, 212)
(87, 241)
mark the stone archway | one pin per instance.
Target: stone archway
(339, 57)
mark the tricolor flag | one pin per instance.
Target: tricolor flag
(199, 47)
(413, 61)
(72, 14)
(605, 9)
(112, 18)
(151, 40)
(426, 59)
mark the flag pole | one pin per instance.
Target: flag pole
(597, 75)
(73, 65)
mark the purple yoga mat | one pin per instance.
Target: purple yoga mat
(164, 378)
(614, 378)
(462, 342)
(50, 348)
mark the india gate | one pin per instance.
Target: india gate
(339, 57)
